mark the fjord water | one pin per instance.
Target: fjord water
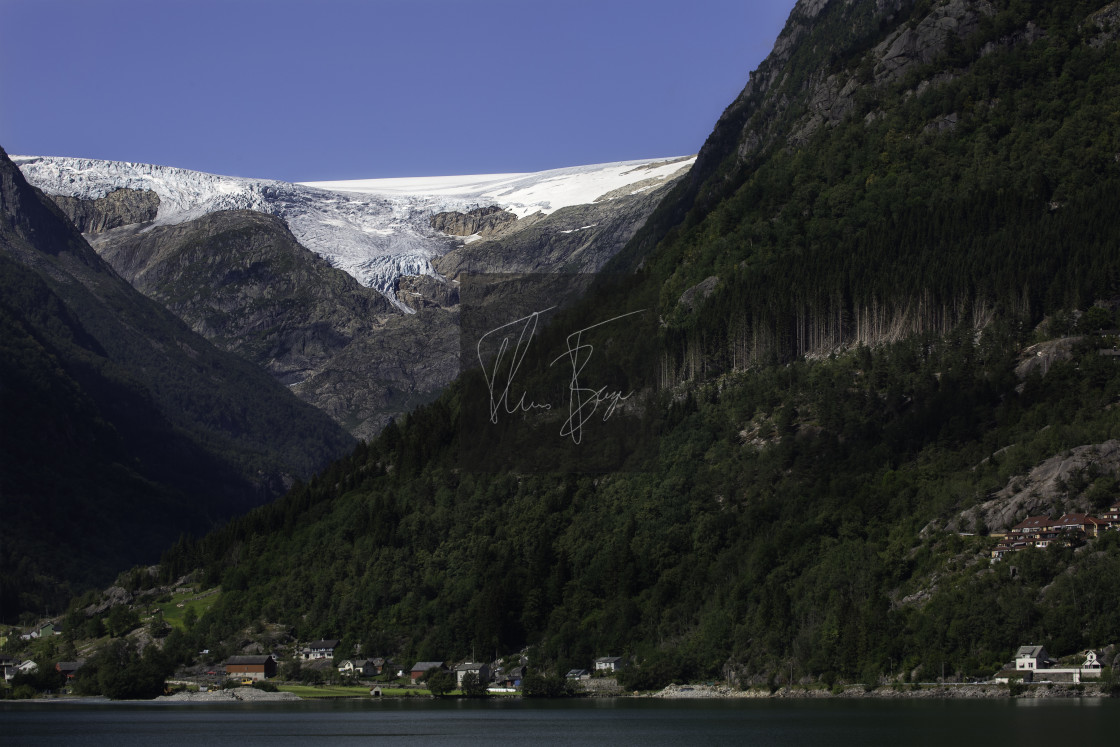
(1087, 721)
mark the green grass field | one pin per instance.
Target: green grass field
(173, 613)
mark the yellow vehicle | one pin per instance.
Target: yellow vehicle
(247, 681)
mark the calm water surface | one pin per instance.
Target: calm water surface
(623, 721)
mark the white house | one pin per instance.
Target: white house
(357, 667)
(320, 649)
(471, 667)
(1032, 658)
(1091, 661)
(609, 664)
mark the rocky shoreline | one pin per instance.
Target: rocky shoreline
(978, 691)
(235, 695)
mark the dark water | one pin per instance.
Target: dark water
(1080, 722)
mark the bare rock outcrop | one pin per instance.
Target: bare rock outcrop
(233, 695)
(1107, 24)
(925, 41)
(697, 293)
(121, 207)
(1038, 358)
(1038, 491)
(484, 221)
(241, 279)
(113, 596)
(425, 291)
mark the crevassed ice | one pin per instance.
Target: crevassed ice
(374, 229)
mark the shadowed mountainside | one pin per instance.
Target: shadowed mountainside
(121, 427)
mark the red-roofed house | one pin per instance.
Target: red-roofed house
(1032, 525)
(1080, 523)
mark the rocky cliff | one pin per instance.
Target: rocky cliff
(121, 207)
(484, 221)
(425, 291)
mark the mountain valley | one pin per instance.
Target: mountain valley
(321, 306)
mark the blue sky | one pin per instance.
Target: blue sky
(305, 90)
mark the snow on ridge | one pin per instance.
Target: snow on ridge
(374, 229)
(524, 193)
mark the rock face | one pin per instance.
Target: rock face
(923, 42)
(121, 207)
(241, 279)
(833, 97)
(691, 297)
(400, 363)
(425, 291)
(800, 88)
(1043, 488)
(1038, 358)
(484, 221)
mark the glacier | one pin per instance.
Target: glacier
(374, 229)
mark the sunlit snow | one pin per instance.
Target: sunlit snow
(374, 229)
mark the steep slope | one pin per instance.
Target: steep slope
(895, 168)
(781, 532)
(122, 428)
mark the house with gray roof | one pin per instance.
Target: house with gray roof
(1032, 658)
(471, 667)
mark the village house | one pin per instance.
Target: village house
(320, 649)
(68, 668)
(577, 674)
(470, 667)
(1032, 657)
(511, 678)
(609, 664)
(420, 669)
(9, 666)
(360, 667)
(1112, 515)
(1087, 525)
(42, 631)
(258, 667)
(1031, 525)
(27, 667)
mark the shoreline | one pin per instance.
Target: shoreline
(1046, 691)
(989, 691)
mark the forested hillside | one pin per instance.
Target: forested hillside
(905, 197)
(982, 182)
